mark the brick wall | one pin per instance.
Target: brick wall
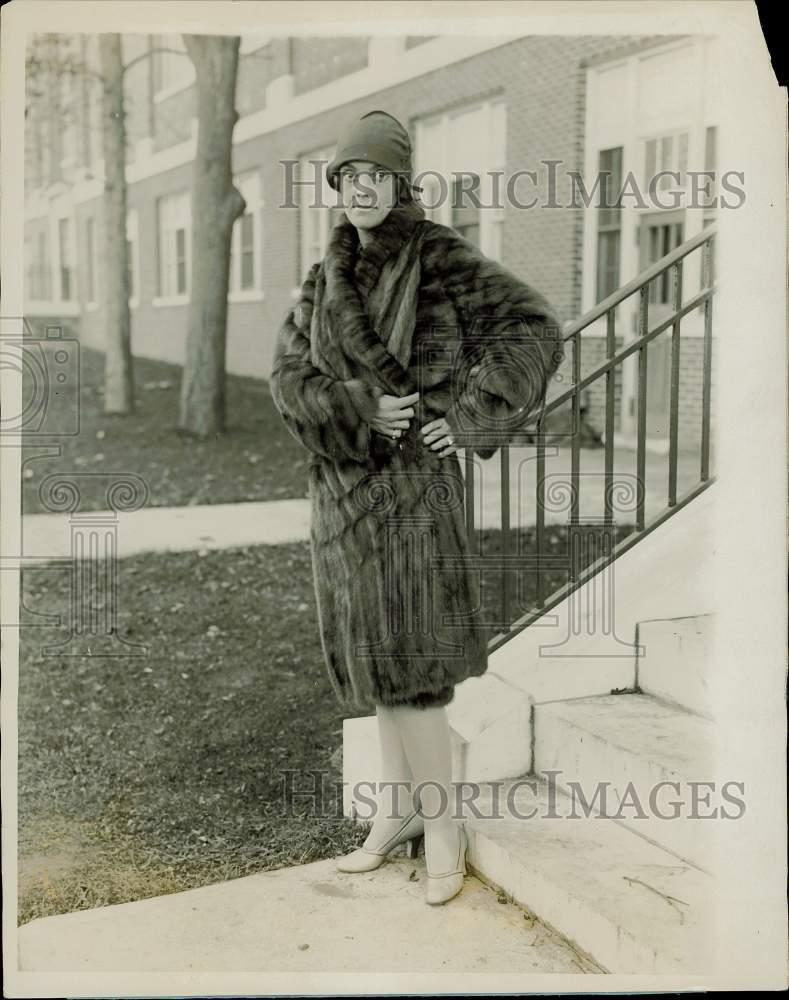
(319, 60)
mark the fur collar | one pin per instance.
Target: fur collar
(351, 272)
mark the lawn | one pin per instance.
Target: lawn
(255, 459)
(145, 775)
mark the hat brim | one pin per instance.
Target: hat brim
(369, 153)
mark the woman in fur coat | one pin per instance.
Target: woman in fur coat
(406, 344)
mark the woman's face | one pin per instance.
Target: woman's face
(369, 193)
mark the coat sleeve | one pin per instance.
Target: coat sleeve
(328, 416)
(510, 343)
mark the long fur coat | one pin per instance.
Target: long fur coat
(417, 308)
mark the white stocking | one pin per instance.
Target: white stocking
(426, 742)
(394, 801)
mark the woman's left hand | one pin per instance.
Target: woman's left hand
(438, 436)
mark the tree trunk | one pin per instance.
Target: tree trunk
(216, 204)
(118, 382)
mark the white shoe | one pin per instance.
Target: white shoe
(410, 833)
(441, 888)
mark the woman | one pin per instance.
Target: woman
(406, 343)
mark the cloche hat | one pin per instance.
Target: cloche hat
(378, 137)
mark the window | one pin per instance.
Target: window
(609, 221)
(458, 156)
(132, 257)
(659, 237)
(173, 70)
(466, 206)
(667, 152)
(245, 244)
(91, 260)
(174, 229)
(317, 207)
(40, 274)
(65, 260)
(68, 111)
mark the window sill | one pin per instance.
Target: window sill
(171, 300)
(46, 307)
(247, 295)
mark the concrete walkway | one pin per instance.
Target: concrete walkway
(172, 529)
(274, 522)
(309, 918)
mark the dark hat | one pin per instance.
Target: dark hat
(377, 137)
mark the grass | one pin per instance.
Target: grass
(255, 459)
(144, 775)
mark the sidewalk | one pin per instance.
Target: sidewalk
(309, 918)
(275, 522)
(162, 529)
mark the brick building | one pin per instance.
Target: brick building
(551, 105)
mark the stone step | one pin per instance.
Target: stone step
(633, 742)
(626, 903)
(674, 661)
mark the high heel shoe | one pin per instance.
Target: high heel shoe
(442, 888)
(363, 859)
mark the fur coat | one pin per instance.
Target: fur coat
(416, 309)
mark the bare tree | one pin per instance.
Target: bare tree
(118, 376)
(216, 204)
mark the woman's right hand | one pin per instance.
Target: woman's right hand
(394, 414)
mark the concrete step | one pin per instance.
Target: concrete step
(622, 747)
(674, 662)
(626, 903)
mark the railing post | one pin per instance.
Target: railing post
(505, 533)
(610, 387)
(674, 404)
(469, 477)
(575, 446)
(540, 498)
(706, 394)
(641, 463)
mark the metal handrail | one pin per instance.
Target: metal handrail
(647, 275)
(579, 574)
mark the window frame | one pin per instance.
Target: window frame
(252, 181)
(493, 156)
(329, 199)
(182, 205)
(92, 262)
(609, 225)
(133, 250)
(72, 298)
